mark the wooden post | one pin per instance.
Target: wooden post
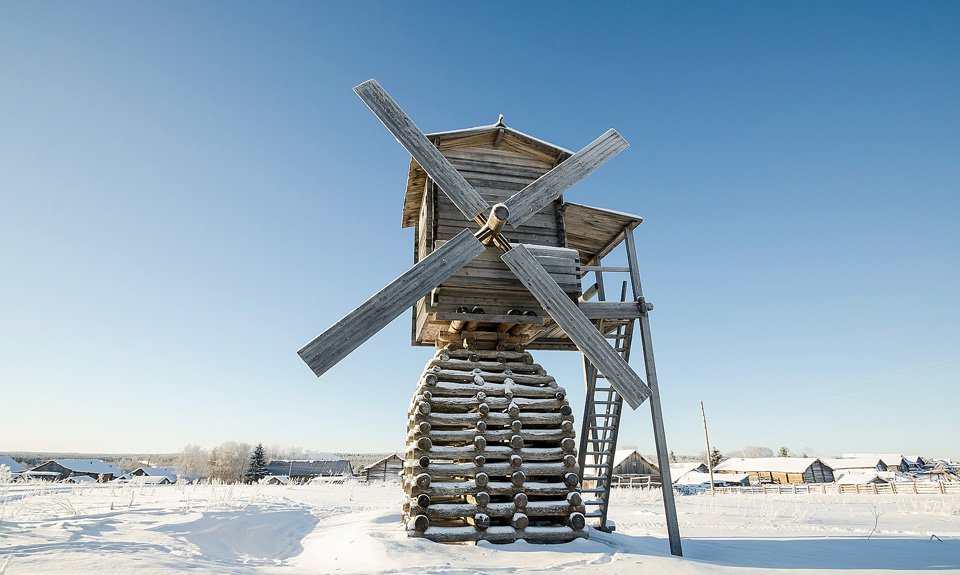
(706, 436)
(656, 412)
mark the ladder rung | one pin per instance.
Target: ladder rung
(599, 427)
(609, 402)
(594, 514)
(594, 490)
(593, 502)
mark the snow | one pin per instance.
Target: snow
(354, 528)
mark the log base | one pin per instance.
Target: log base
(491, 452)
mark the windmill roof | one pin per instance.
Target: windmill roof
(468, 137)
(12, 464)
(782, 464)
(89, 466)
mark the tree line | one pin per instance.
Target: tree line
(233, 462)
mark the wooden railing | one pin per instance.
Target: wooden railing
(918, 488)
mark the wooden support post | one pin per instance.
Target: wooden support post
(656, 412)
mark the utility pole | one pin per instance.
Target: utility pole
(706, 435)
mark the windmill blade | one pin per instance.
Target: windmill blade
(361, 324)
(548, 187)
(425, 153)
(578, 328)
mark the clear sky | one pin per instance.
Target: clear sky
(191, 191)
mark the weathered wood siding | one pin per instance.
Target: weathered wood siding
(388, 469)
(496, 170)
(635, 465)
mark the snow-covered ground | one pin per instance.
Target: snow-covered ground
(355, 528)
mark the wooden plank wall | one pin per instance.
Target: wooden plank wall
(496, 173)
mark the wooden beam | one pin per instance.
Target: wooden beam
(609, 309)
(548, 187)
(656, 411)
(577, 327)
(373, 315)
(425, 153)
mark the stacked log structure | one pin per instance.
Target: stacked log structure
(491, 452)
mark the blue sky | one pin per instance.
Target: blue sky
(189, 192)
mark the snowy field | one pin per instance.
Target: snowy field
(355, 528)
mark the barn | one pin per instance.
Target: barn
(169, 472)
(870, 464)
(387, 469)
(678, 470)
(632, 462)
(302, 471)
(778, 470)
(60, 469)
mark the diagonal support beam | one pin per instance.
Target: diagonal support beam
(578, 328)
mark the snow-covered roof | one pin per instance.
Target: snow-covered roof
(89, 466)
(281, 479)
(781, 464)
(860, 478)
(302, 468)
(81, 479)
(621, 455)
(888, 459)
(851, 462)
(678, 470)
(152, 479)
(169, 472)
(700, 478)
(11, 464)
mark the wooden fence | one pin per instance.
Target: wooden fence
(918, 488)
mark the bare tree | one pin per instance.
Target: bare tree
(194, 461)
(228, 461)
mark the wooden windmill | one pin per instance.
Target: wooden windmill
(500, 258)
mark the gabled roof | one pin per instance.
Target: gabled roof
(889, 459)
(852, 462)
(678, 470)
(81, 479)
(12, 464)
(396, 456)
(781, 464)
(89, 466)
(621, 455)
(860, 478)
(304, 468)
(169, 472)
(549, 154)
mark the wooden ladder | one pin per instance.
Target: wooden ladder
(601, 423)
